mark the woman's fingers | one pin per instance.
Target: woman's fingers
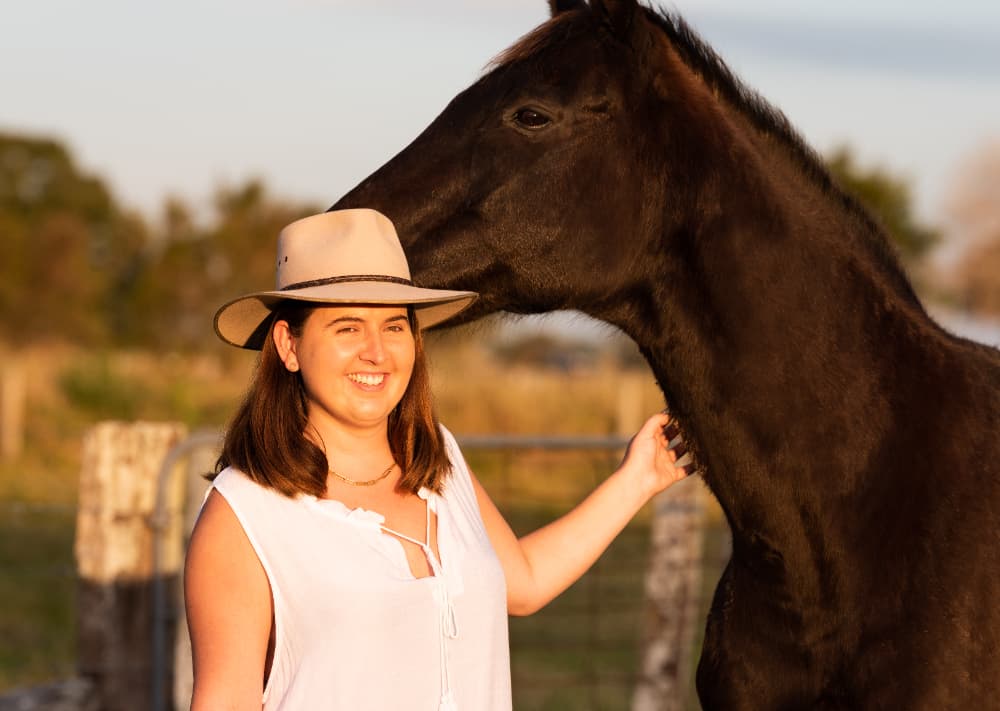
(668, 437)
(673, 439)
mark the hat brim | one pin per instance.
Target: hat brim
(243, 322)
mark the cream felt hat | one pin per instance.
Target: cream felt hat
(339, 257)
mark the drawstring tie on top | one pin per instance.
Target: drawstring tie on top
(447, 621)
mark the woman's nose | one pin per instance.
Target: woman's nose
(373, 351)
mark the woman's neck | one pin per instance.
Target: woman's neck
(358, 453)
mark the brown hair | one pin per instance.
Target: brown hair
(266, 438)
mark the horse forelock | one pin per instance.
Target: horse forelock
(551, 33)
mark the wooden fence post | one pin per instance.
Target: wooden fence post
(114, 543)
(12, 406)
(673, 596)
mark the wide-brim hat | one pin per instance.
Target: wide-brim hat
(338, 257)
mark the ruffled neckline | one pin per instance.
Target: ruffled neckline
(359, 515)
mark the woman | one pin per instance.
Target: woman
(345, 557)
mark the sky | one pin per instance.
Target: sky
(178, 98)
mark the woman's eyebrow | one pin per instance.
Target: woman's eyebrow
(358, 319)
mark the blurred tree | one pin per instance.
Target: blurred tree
(974, 215)
(192, 270)
(38, 177)
(62, 242)
(244, 236)
(979, 274)
(889, 200)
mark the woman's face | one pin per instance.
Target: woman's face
(355, 361)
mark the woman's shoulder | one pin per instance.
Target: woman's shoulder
(449, 438)
(232, 481)
(451, 447)
(459, 473)
(241, 491)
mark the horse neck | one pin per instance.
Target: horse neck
(777, 337)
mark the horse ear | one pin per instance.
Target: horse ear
(618, 15)
(558, 6)
(625, 21)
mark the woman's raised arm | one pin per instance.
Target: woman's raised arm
(542, 564)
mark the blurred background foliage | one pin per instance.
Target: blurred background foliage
(78, 267)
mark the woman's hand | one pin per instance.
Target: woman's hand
(648, 463)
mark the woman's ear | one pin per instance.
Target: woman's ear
(285, 343)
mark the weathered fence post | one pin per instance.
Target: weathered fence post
(118, 484)
(12, 406)
(673, 596)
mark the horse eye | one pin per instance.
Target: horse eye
(530, 118)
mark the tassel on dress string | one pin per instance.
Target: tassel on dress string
(447, 702)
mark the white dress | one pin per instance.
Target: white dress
(354, 630)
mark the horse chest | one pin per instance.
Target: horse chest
(762, 653)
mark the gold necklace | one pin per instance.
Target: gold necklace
(367, 482)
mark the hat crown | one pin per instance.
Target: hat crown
(358, 242)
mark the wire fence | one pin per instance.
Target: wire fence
(583, 651)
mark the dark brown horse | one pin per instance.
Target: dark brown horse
(609, 162)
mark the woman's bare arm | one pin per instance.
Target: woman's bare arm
(542, 564)
(229, 612)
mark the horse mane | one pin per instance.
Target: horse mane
(712, 69)
(767, 119)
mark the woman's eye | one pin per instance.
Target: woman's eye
(531, 118)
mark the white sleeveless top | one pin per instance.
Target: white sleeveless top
(354, 630)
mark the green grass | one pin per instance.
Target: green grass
(37, 586)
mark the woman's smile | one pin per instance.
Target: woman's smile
(368, 381)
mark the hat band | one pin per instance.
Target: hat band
(348, 278)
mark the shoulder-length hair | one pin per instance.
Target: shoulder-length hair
(267, 441)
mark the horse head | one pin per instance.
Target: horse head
(552, 163)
